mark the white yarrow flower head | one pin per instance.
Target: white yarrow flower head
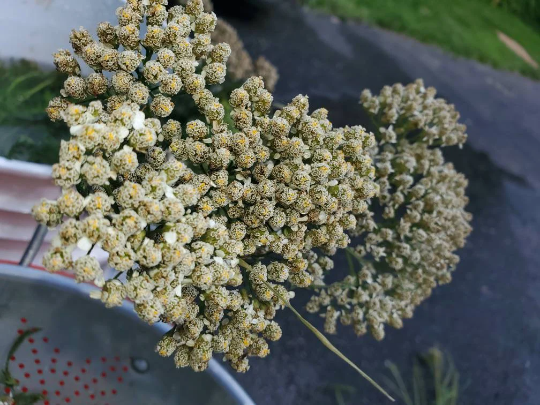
(210, 223)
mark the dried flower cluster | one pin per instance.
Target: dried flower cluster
(178, 206)
(411, 248)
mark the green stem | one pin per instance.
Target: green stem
(350, 263)
(319, 335)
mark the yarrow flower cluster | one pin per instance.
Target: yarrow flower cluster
(146, 70)
(179, 207)
(409, 247)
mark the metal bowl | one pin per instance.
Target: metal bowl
(87, 354)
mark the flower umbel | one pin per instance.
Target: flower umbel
(177, 205)
(409, 248)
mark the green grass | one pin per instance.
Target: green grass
(464, 27)
(25, 130)
(434, 380)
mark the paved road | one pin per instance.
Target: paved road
(488, 318)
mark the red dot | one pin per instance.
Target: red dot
(34, 351)
(125, 368)
(20, 331)
(42, 382)
(56, 350)
(67, 400)
(77, 378)
(104, 374)
(104, 359)
(66, 373)
(69, 363)
(40, 371)
(53, 370)
(77, 393)
(53, 360)
(103, 393)
(21, 366)
(45, 392)
(23, 320)
(46, 339)
(88, 361)
(62, 383)
(114, 392)
(31, 340)
(92, 396)
(12, 358)
(7, 390)
(37, 361)
(46, 403)
(24, 389)
(27, 375)
(120, 379)
(83, 370)
(86, 386)
(94, 380)
(57, 393)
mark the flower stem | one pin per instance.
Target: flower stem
(319, 335)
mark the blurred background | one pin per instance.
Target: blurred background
(481, 55)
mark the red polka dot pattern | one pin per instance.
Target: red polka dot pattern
(59, 380)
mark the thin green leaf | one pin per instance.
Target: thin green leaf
(400, 383)
(25, 96)
(419, 386)
(392, 386)
(450, 371)
(455, 390)
(14, 83)
(339, 398)
(18, 342)
(350, 263)
(28, 398)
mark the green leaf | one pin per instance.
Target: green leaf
(350, 263)
(28, 398)
(7, 379)
(20, 340)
